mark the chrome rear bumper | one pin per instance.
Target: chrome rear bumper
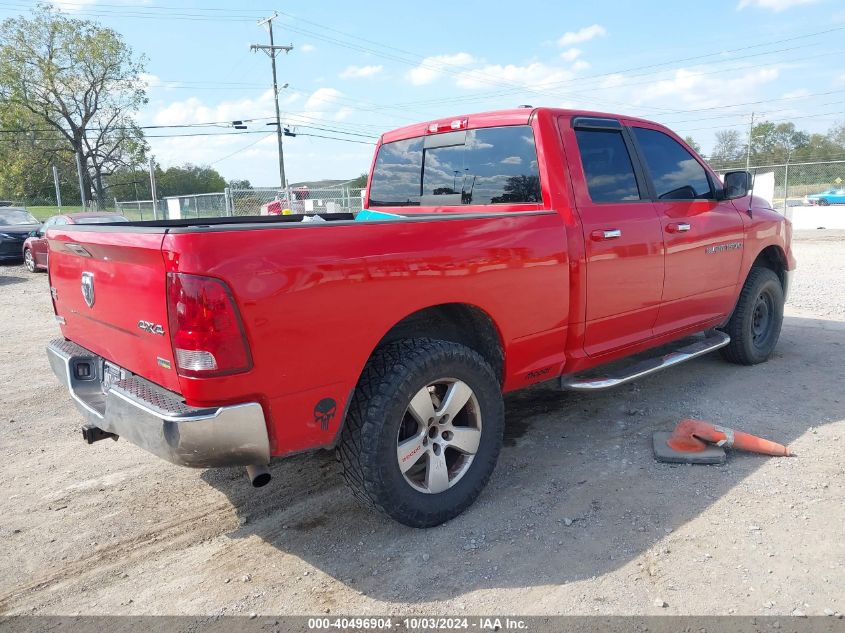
(158, 420)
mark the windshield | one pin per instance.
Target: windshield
(102, 219)
(496, 165)
(11, 217)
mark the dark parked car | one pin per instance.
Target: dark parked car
(35, 247)
(15, 225)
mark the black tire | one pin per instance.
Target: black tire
(367, 449)
(755, 325)
(824, 202)
(29, 260)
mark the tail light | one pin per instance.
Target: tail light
(206, 331)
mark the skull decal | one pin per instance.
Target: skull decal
(324, 411)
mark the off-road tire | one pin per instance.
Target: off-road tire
(367, 446)
(749, 345)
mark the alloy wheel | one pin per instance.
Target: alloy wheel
(439, 436)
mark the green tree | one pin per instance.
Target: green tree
(26, 160)
(693, 144)
(729, 148)
(188, 179)
(774, 143)
(239, 184)
(82, 85)
(129, 184)
(360, 182)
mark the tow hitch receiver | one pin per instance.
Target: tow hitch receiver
(91, 434)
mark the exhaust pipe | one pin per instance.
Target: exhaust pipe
(258, 475)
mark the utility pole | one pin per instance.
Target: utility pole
(82, 195)
(58, 190)
(272, 50)
(153, 193)
(786, 179)
(750, 137)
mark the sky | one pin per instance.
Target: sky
(359, 69)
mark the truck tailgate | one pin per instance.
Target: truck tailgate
(110, 288)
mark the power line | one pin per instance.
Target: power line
(335, 138)
(238, 151)
(138, 12)
(190, 135)
(786, 120)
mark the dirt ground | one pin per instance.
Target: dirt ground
(578, 518)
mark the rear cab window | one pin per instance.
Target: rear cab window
(607, 165)
(485, 166)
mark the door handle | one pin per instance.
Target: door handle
(678, 227)
(606, 234)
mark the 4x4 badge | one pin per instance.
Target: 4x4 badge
(152, 328)
(88, 289)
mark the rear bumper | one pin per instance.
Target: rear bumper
(158, 420)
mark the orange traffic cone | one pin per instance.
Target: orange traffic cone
(692, 442)
(691, 435)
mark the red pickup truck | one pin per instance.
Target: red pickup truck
(496, 251)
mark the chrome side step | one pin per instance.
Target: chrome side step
(713, 341)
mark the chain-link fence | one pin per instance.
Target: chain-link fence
(141, 209)
(789, 184)
(243, 202)
(264, 200)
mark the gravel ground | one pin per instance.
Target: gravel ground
(578, 518)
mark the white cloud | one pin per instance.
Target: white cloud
(322, 99)
(75, 5)
(150, 81)
(71, 6)
(570, 54)
(580, 65)
(795, 94)
(307, 48)
(590, 32)
(194, 110)
(535, 75)
(695, 88)
(774, 5)
(343, 113)
(360, 72)
(431, 68)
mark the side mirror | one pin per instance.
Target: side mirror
(737, 184)
(33, 234)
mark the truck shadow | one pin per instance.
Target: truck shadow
(577, 492)
(8, 280)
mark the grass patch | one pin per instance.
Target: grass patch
(42, 213)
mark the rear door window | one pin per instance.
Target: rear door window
(485, 166)
(676, 174)
(607, 166)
